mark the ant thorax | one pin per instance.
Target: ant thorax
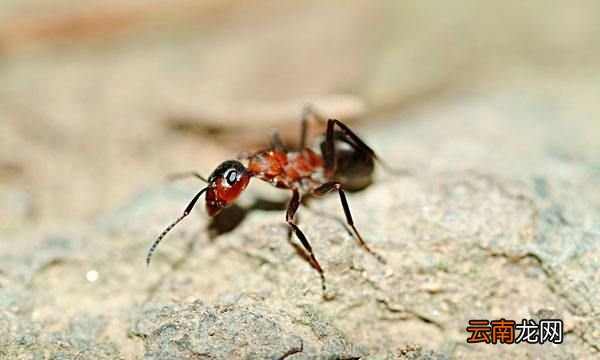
(296, 169)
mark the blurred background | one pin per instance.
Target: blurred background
(99, 100)
(493, 106)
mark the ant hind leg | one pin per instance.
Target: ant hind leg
(334, 185)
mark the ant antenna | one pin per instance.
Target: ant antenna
(186, 212)
(184, 175)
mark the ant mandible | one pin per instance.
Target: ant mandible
(346, 163)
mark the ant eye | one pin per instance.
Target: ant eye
(231, 177)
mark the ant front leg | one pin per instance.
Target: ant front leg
(330, 158)
(324, 189)
(289, 217)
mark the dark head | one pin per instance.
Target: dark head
(225, 184)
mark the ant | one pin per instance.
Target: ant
(345, 163)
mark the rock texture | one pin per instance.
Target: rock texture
(508, 231)
(492, 109)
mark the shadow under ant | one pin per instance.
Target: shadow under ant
(232, 216)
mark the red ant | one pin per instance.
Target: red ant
(346, 163)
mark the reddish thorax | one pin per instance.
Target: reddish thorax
(285, 169)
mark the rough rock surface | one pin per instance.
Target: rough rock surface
(486, 226)
(492, 107)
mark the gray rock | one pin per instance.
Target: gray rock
(486, 226)
(245, 329)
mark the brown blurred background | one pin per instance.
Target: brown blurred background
(99, 101)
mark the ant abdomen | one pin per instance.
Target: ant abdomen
(354, 168)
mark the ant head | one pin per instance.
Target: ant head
(225, 184)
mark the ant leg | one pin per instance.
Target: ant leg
(290, 231)
(307, 112)
(304, 127)
(324, 189)
(330, 159)
(289, 217)
(299, 249)
(276, 143)
(184, 175)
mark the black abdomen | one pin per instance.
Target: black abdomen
(354, 169)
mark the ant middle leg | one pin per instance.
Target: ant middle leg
(291, 211)
(276, 142)
(308, 112)
(334, 185)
